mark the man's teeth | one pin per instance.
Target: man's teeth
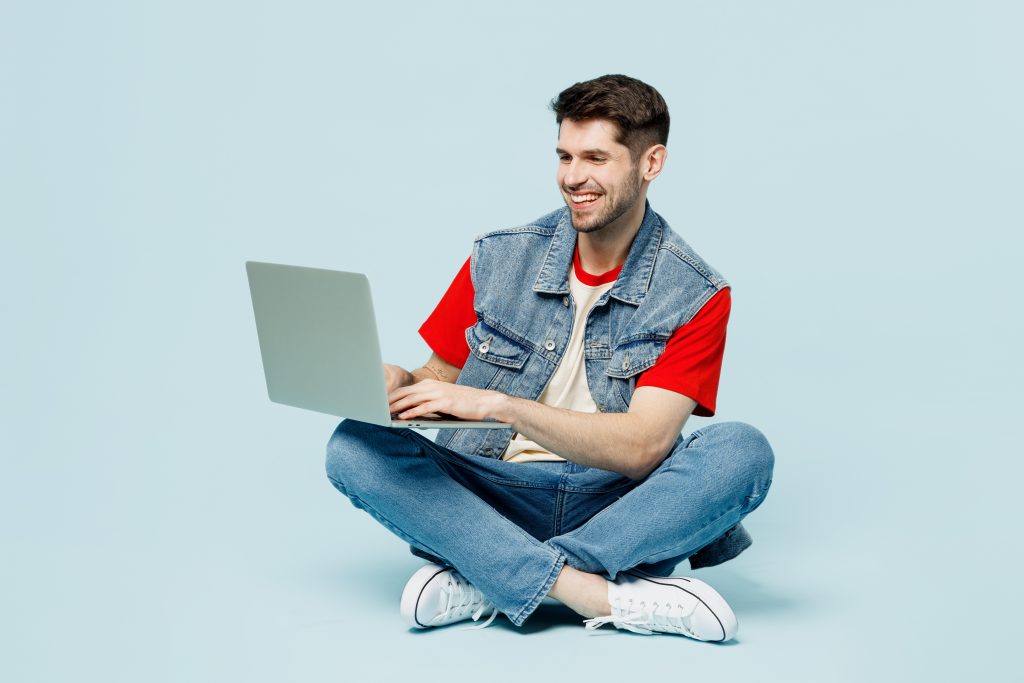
(580, 198)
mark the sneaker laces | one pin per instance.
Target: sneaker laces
(462, 596)
(664, 617)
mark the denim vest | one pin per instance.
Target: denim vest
(525, 314)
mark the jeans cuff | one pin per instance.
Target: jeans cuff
(522, 615)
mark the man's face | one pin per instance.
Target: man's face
(598, 179)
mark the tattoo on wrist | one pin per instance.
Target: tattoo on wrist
(435, 373)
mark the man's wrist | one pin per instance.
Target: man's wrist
(420, 374)
(505, 408)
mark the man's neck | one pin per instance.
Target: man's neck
(607, 248)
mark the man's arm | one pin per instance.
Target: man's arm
(436, 368)
(632, 443)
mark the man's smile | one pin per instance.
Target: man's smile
(583, 200)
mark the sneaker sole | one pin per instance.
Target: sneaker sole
(708, 597)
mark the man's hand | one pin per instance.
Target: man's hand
(395, 377)
(432, 396)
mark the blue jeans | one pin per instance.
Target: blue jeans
(509, 527)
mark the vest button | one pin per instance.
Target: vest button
(565, 301)
(484, 347)
(549, 345)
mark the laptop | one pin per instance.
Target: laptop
(320, 348)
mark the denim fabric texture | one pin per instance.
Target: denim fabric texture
(525, 315)
(509, 527)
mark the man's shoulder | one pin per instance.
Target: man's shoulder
(677, 256)
(543, 226)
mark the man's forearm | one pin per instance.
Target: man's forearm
(420, 374)
(609, 441)
(434, 369)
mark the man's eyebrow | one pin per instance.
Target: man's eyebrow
(586, 152)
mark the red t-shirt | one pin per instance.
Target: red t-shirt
(690, 365)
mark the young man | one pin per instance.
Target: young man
(594, 332)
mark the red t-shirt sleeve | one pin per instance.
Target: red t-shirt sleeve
(445, 329)
(692, 360)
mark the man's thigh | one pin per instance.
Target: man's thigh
(524, 493)
(717, 471)
(586, 492)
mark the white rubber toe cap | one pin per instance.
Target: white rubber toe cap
(421, 599)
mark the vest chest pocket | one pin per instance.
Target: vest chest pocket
(494, 360)
(628, 361)
(491, 346)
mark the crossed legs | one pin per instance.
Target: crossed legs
(447, 505)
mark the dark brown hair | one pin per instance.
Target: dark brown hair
(637, 109)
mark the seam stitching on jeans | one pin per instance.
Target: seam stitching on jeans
(594, 489)
(556, 516)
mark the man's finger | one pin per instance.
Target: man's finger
(413, 398)
(398, 392)
(402, 392)
(418, 387)
(403, 403)
(421, 409)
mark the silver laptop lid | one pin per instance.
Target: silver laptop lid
(318, 339)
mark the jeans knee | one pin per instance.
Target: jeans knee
(750, 456)
(344, 448)
(760, 458)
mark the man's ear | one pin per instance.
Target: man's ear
(653, 161)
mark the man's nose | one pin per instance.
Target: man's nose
(575, 174)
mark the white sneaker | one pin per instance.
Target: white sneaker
(438, 595)
(644, 603)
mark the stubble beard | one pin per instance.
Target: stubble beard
(615, 209)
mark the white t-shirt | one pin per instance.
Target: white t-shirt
(567, 387)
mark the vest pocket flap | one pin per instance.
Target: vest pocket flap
(490, 345)
(630, 359)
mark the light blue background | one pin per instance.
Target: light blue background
(855, 170)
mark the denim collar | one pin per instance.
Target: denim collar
(635, 277)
